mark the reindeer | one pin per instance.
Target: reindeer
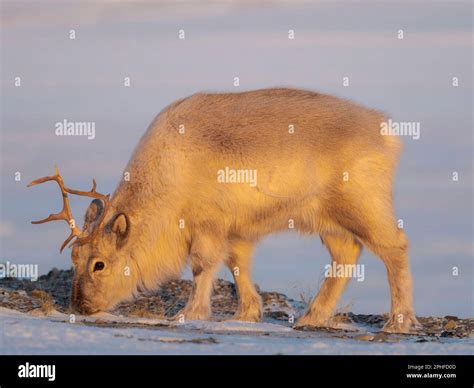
(323, 167)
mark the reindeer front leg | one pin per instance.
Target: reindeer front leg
(206, 256)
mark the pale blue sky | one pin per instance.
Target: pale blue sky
(81, 80)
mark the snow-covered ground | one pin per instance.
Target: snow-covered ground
(108, 334)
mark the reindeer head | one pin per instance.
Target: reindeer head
(102, 276)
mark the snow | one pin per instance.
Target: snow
(22, 333)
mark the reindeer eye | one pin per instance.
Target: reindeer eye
(99, 266)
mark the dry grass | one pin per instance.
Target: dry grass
(142, 312)
(45, 300)
(341, 314)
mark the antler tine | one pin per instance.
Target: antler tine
(92, 193)
(65, 214)
(67, 241)
(46, 179)
(42, 180)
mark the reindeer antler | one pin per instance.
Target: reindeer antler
(66, 214)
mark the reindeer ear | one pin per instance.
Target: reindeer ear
(94, 211)
(120, 225)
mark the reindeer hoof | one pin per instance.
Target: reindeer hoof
(403, 323)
